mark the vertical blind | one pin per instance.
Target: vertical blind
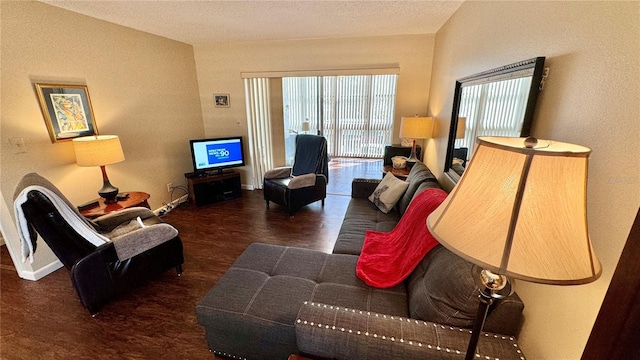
(493, 109)
(354, 113)
(256, 93)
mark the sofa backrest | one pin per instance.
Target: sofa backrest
(441, 289)
(420, 177)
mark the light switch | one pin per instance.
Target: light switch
(18, 145)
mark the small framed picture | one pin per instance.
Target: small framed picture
(67, 111)
(221, 100)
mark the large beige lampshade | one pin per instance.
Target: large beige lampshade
(416, 127)
(98, 150)
(521, 212)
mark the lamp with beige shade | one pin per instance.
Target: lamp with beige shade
(100, 150)
(519, 210)
(412, 128)
(306, 126)
(462, 128)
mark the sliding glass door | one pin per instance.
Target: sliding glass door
(354, 113)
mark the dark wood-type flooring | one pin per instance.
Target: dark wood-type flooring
(342, 170)
(44, 319)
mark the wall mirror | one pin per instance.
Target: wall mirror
(496, 102)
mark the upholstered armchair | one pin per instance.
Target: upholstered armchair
(105, 256)
(305, 182)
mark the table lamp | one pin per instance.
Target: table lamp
(305, 126)
(461, 129)
(100, 150)
(519, 211)
(415, 127)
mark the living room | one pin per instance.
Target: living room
(156, 94)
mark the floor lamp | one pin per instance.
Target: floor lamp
(100, 150)
(412, 128)
(519, 211)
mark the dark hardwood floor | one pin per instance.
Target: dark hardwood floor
(44, 319)
(342, 170)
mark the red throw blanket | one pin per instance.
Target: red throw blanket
(387, 258)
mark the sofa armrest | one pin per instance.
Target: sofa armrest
(142, 239)
(114, 219)
(341, 333)
(302, 181)
(505, 316)
(363, 188)
(282, 172)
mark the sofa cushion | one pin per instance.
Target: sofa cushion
(442, 289)
(419, 173)
(251, 311)
(361, 216)
(388, 192)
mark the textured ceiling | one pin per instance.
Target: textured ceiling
(206, 21)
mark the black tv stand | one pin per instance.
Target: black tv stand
(212, 187)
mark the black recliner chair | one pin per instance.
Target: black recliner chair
(305, 182)
(138, 246)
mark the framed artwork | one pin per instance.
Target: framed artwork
(67, 111)
(221, 100)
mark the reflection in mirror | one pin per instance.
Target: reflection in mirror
(497, 102)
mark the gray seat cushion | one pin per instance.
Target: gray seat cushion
(362, 215)
(251, 311)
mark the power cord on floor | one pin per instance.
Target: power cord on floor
(167, 207)
(183, 189)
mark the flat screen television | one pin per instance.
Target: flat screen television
(216, 154)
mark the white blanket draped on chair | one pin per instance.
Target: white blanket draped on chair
(70, 216)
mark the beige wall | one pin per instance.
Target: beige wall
(219, 67)
(143, 89)
(591, 98)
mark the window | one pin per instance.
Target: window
(355, 113)
(493, 109)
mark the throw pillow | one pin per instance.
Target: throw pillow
(388, 192)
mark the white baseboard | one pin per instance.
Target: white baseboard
(42, 272)
(248, 187)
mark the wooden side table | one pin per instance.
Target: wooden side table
(399, 173)
(297, 357)
(136, 198)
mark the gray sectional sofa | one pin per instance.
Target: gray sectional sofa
(276, 300)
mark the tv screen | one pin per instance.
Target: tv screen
(216, 154)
